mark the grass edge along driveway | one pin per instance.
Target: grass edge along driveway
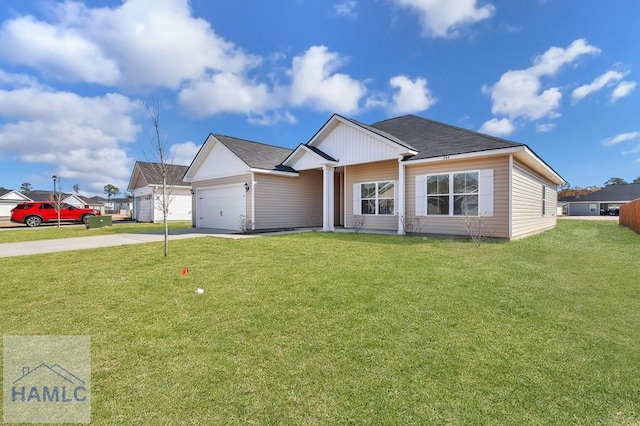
(322, 328)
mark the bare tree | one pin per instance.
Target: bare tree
(159, 162)
(56, 197)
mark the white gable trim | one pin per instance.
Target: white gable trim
(274, 172)
(19, 196)
(303, 158)
(335, 118)
(233, 165)
(352, 144)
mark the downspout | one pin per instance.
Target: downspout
(510, 196)
(401, 196)
(253, 201)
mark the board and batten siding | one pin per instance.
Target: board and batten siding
(288, 202)
(352, 145)
(496, 226)
(212, 183)
(528, 217)
(371, 172)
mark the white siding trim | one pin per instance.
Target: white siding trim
(274, 172)
(253, 201)
(485, 192)
(400, 195)
(357, 204)
(510, 196)
(421, 195)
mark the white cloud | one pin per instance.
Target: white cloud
(59, 52)
(607, 79)
(635, 150)
(271, 118)
(81, 136)
(519, 94)
(623, 89)
(545, 127)
(225, 92)
(140, 42)
(444, 18)
(315, 84)
(622, 137)
(410, 96)
(496, 127)
(183, 153)
(346, 9)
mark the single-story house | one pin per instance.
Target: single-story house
(146, 186)
(72, 199)
(607, 201)
(10, 198)
(401, 174)
(96, 202)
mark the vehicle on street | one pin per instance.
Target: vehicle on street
(36, 213)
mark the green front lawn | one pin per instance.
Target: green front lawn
(348, 329)
(52, 232)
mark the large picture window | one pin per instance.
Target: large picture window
(377, 198)
(455, 194)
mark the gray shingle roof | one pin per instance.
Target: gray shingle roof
(257, 155)
(433, 139)
(152, 173)
(620, 192)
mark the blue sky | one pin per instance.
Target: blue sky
(558, 75)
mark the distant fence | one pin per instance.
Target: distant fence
(630, 215)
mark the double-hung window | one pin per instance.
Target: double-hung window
(468, 193)
(374, 198)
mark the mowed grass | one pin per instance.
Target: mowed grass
(52, 232)
(348, 329)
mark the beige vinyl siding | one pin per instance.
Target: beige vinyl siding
(288, 202)
(210, 183)
(496, 226)
(371, 172)
(528, 218)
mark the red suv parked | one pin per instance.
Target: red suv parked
(35, 213)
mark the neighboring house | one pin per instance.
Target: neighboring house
(122, 204)
(95, 202)
(606, 201)
(405, 172)
(146, 186)
(10, 198)
(72, 199)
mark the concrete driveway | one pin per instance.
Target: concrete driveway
(84, 243)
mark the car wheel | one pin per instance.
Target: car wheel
(33, 221)
(85, 218)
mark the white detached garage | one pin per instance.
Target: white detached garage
(146, 186)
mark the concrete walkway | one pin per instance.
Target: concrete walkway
(84, 243)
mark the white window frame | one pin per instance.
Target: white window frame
(485, 193)
(357, 198)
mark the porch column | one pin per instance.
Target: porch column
(328, 196)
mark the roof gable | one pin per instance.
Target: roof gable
(223, 155)
(350, 142)
(152, 173)
(13, 195)
(306, 157)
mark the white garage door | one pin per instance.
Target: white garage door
(179, 208)
(143, 208)
(221, 208)
(5, 209)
